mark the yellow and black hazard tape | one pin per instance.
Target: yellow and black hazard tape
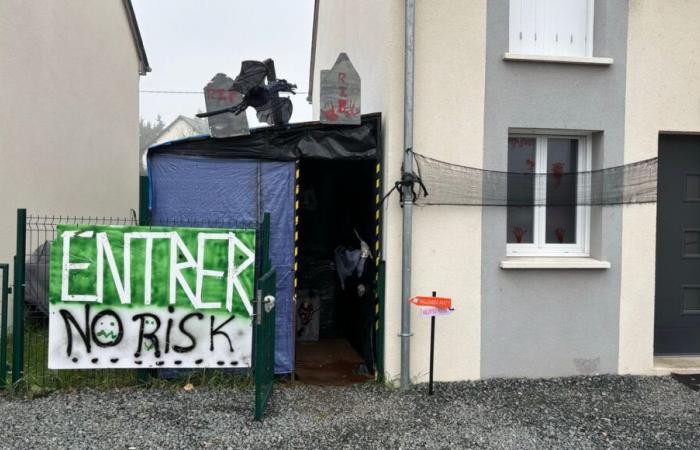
(296, 222)
(377, 239)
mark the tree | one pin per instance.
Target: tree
(149, 131)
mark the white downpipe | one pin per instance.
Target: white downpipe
(407, 203)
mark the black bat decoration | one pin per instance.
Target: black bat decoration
(264, 97)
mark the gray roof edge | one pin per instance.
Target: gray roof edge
(312, 60)
(144, 68)
(199, 125)
(193, 123)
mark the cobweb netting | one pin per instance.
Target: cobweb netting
(451, 184)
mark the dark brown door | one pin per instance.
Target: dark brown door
(677, 312)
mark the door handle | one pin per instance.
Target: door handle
(269, 302)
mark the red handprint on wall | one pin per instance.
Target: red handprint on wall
(530, 164)
(560, 233)
(519, 234)
(557, 172)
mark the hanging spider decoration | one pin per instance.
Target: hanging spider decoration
(264, 97)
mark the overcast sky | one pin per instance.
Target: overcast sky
(189, 41)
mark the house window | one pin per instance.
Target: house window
(551, 27)
(556, 225)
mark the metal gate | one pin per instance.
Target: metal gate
(264, 342)
(264, 345)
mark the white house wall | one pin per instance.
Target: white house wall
(68, 111)
(662, 95)
(363, 29)
(522, 322)
(449, 125)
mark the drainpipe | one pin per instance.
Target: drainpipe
(407, 196)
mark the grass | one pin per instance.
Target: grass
(203, 378)
(39, 380)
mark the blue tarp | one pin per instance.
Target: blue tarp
(187, 190)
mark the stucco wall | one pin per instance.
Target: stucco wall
(449, 124)
(68, 111)
(553, 322)
(449, 111)
(662, 94)
(363, 29)
(446, 240)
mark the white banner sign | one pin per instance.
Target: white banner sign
(150, 297)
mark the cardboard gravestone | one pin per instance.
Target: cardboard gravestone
(217, 95)
(340, 93)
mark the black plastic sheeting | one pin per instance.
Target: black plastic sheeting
(302, 140)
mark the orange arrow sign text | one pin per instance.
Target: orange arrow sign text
(436, 302)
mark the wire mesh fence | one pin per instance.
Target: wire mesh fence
(39, 233)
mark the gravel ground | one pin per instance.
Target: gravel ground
(579, 413)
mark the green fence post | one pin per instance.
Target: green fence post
(144, 213)
(266, 264)
(142, 375)
(379, 349)
(264, 328)
(18, 299)
(5, 269)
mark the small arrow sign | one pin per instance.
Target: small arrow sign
(436, 302)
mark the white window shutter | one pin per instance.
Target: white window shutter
(551, 27)
(566, 27)
(524, 36)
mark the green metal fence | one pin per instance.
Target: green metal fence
(266, 291)
(28, 339)
(30, 329)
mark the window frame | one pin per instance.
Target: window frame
(539, 246)
(515, 15)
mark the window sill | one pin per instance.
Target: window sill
(535, 262)
(587, 60)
